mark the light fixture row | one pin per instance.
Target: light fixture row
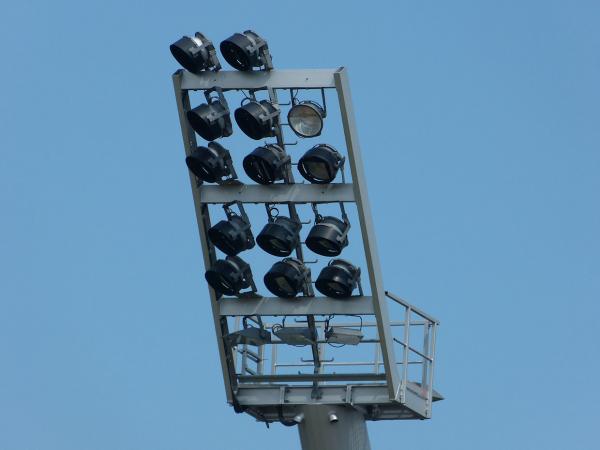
(280, 236)
(243, 51)
(286, 278)
(256, 118)
(265, 164)
(293, 335)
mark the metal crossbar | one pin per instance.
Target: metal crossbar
(277, 193)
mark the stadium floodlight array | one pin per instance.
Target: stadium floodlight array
(275, 397)
(265, 165)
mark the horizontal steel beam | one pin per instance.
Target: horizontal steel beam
(284, 378)
(360, 394)
(301, 306)
(277, 193)
(258, 395)
(276, 79)
(413, 308)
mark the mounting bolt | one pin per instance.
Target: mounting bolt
(333, 418)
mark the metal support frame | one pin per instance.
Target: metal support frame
(368, 232)
(253, 390)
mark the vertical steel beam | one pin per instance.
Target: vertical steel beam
(203, 219)
(431, 367)
(289, 179)
(368, 233)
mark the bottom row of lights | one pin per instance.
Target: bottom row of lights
(294, 335)
(297, 336)
(287, 278)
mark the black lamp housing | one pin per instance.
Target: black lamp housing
(247, 50)
(320, 164)
(257, 118)
(328, 236)
(280, 237)
(211, 164)
(229, 276)
(211, 120)
(287, 278)
(338, 279)
(232, 236)
(266, 164)
(306, 119)
(195, 53)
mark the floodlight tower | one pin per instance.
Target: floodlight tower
(329, 400)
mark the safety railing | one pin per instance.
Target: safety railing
(251, 367)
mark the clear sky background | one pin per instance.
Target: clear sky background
(479, 123)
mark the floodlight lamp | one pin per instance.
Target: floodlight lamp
(343, 336)
(320, 164)
(211, 120)
(211, 164)
(338, 279)
(229, 276)
(328, 236)
(247, 50)
(257, 118)
(195, 53)
(306, 119)
(280, 236)
(266, 164)
(248, 336)
(294, 335)
(287, 278)
(232, 236)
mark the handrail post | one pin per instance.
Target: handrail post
(431, 367)
(427, 352)
(407, 314)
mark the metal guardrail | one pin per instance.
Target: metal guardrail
(252, 369)
(427, 354)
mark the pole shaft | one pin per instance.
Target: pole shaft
(319, 432)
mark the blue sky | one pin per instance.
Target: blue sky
(479, 127)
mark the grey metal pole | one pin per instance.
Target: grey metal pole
(332, 427)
